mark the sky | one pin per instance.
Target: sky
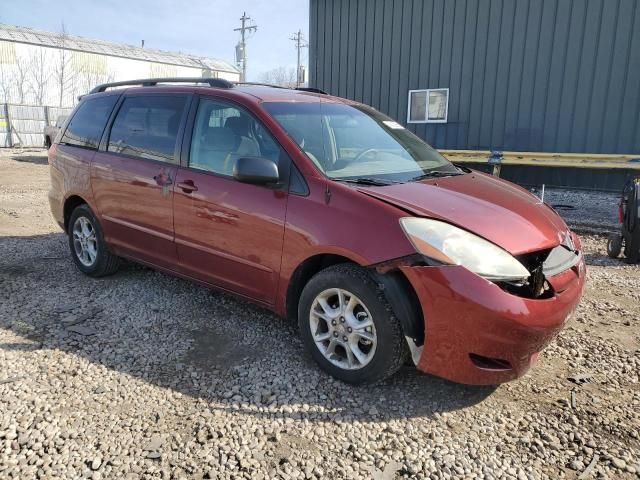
(199, 27)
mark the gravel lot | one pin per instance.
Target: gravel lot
(141, 375)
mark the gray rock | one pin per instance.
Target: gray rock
(82, 330)
(618, 463)
(154, 443)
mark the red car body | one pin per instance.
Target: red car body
(262, 244)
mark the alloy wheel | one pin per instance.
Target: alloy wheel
(85, 242)
(343, 329)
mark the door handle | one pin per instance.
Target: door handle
(187, 186)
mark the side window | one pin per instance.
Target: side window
(222, 133)
(87, 124)
(147, 127)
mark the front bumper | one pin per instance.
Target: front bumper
(477, 333)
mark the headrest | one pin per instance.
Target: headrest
(220, 138)
(239, 125)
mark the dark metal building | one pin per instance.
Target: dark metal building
(524, 75)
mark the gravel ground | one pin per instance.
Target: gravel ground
(585, 211)
(141, 375)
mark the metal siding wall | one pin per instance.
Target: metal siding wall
(629, 119)
(539, 75)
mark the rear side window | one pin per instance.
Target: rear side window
(147, 127)
(87, 125)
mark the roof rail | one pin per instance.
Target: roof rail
(302, 89)
(151, 82)
(259, 84)
(312, 90)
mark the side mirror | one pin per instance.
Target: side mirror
(256, 170)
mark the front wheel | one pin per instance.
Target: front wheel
(88, 247)
(614, 245)
(349, 327)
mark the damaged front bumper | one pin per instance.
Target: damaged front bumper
(476, 332)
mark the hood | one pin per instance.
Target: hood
(497, 210)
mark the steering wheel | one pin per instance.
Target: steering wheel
(361, 155)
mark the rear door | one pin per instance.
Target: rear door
(229, 233)
(133, 176)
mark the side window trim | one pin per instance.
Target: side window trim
(297, 183)
(185, 149)
(182, 129)
(102, 147)
(104, 141)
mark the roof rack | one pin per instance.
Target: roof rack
(151, 82)
(259, 84)
(212, 82)
(302, 89)
(312, 90)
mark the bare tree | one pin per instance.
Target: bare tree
(89, 77)
(283, 76)
(20, 78)
(6, 81)
(39, 74)
(62, 70)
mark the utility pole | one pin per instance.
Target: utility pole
(300, 44)
(241, 53)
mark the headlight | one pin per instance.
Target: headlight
(454, 246)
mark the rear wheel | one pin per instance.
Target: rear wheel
(86, 242)
(614, 245)
(348, 326)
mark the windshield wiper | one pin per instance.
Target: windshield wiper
(376, 182)
(436, 174)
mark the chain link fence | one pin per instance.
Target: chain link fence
(23, 125)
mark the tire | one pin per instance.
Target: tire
(382, 357)
(614, 245)
(47, 142)
(102, 262)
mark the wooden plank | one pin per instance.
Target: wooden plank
(543, 159)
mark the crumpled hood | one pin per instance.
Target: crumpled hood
(499, 211)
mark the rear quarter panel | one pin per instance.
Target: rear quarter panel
(70, 176)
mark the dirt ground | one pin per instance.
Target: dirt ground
(141, 375)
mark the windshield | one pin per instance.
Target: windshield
(348, 142)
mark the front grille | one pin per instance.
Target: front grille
(542, 264)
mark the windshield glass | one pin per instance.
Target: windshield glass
(348, 142)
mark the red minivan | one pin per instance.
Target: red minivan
(322, 210)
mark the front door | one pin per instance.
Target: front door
(229, 233)
(134, 179)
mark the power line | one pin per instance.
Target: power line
(241, 48)
(300, 44)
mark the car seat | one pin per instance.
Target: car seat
(245, 143)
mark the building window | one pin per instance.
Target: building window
(428, 106)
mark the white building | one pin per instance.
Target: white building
(45, 68)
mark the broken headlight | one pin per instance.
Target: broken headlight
(453, 246)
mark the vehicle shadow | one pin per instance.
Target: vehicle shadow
(37, 159)
(603, 260)
(205, 344)
(31, 155)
